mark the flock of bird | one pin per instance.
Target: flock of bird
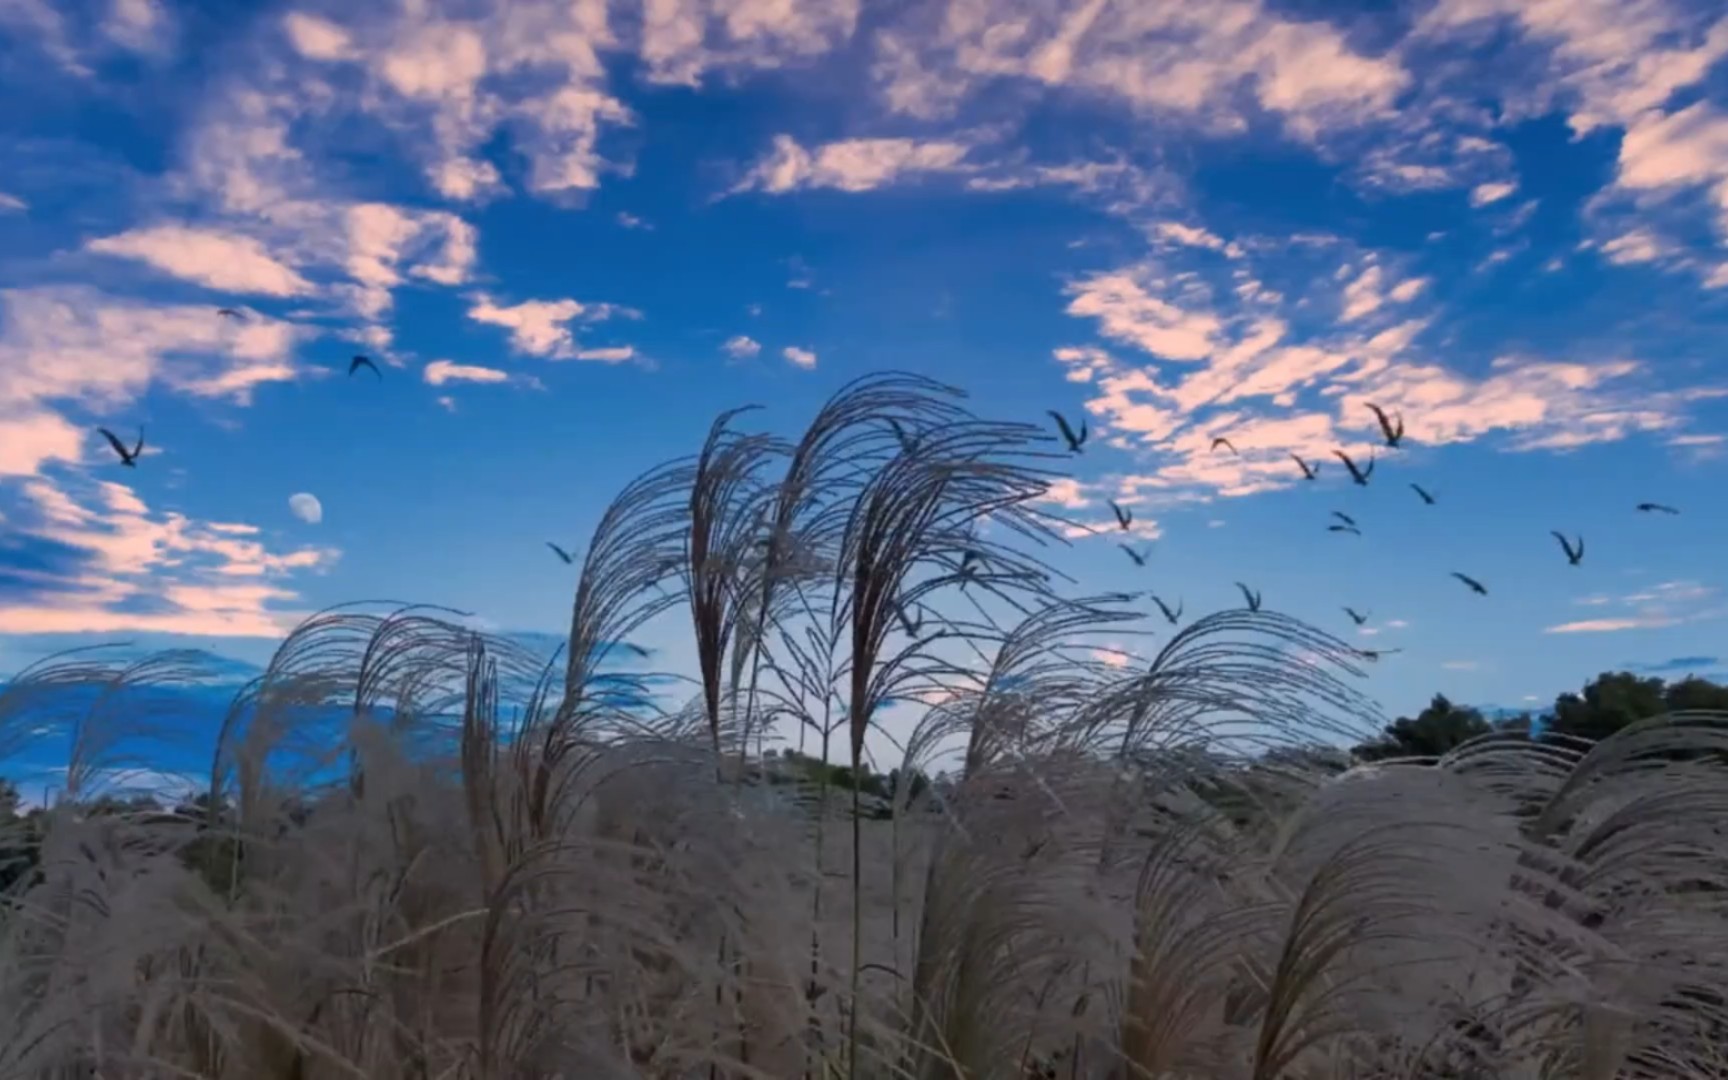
(1391, 431)
(1392, 434)
(129, 458)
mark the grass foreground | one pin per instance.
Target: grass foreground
(1138, 867)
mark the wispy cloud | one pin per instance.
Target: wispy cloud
(797, 357)
(542, 327)
(93, 557)
(210, 257)
(78, 343)
(1670, 603)
(741, 347)
(848, 165)
(12, 204)
(1223, 357)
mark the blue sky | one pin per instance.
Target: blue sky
(572, 232)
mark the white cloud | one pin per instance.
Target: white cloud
(612, 354)
(32, 437)
(1491, 192)
(537, 327)
(741, 347)
(318, 39)
(1164, 59)
(142, 26)
(1226, 362)
(150, 571)
(848, 165)
(1668, 603)
(631, 221)
(220, 260)
(12, 204)
(439, 372)
(77, 344)
(797, 357)
(684, 39)
(305, 506)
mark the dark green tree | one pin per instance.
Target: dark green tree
(1608, 703)
(1435, 730)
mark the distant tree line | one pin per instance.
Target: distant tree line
(1605, 705)
(1611, 701)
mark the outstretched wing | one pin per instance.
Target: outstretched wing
(1385, 424)
(363, 362)
(114, 441)
(558, 551)
(1062, 425)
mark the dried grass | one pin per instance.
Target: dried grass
(1135, 873)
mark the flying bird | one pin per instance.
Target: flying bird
(1075, 442)
(1393, 433)
(229, 313)
(1139, 559)
(1357, 474)
(1351, 529)
(363, 362)
(1574, 555)
(908, 444)
(1474, 586)
(1172, 617)
(1355, 616)
(1345, 518)
(1222, 441)
(1423, 492)
(968, 558)
(1309, 472)
(560, 552)
(1656, 508)
(128, 458)
(1252, 597)
(912, 628)
(1375, 654)
(1124, 518)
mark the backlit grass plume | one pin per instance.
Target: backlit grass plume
(1012, 844)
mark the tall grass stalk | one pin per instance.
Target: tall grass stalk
(423, 851)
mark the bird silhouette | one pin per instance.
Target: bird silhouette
(363, 362)
(1423, 492)
(1222, 441)
(1656, 508)
(1375, 654)
(1345, 518)
(1474, 586)
(128, 458)
(908, 444)
(560, 552)
(1357, 474)
(910, 626)
(1172, 617)
(1124, 518)
(1309, 472)
(1139, 559)
(968, 558)
(1351, 529)
(1249, 595)
(1075, 442)
(1355, 616)
(229, 313)
(1574, 555)
(1393, 433)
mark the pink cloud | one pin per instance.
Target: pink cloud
(197, 577)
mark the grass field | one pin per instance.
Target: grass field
(1147, 869)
